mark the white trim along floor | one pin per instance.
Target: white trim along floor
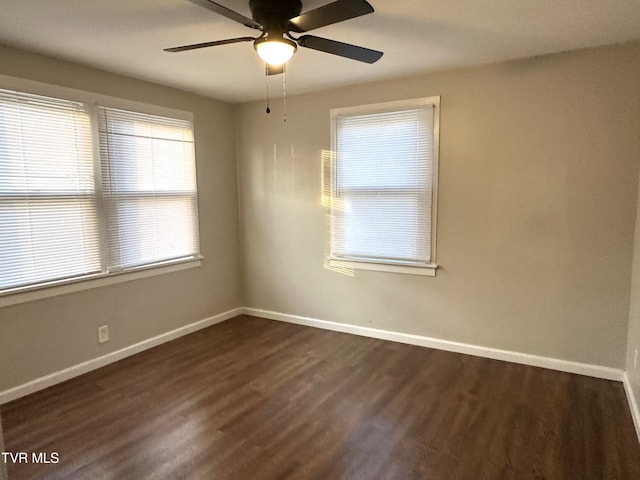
(597, 371)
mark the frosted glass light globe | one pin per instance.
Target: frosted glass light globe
(275, 52)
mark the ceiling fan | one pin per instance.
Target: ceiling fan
(278, 19)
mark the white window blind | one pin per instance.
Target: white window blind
(149, 188)
(383, 185)
(48, 222)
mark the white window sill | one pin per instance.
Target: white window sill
(426, 270)
(62, 287)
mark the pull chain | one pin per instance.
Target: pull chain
(266, 72)
(284, 92)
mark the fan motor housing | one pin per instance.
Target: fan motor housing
(274, 14)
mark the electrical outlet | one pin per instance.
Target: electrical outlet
(635, 360)
(103, 334)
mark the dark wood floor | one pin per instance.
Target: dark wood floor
(253, 399)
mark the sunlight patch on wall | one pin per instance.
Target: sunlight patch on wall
(332, 204)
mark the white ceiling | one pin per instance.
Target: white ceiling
(127, 37)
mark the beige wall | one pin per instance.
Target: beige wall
(538, 183)
(44, 336)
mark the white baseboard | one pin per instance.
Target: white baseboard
(633, 403)
(95, 363)
(597, 371)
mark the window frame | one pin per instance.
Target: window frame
(374, 264)
(92, 101)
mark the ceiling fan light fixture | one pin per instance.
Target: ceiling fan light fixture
(275, 51)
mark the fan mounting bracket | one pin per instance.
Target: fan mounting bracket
(274, 15)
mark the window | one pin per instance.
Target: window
(149, 185)
(48, 220)
(69, 213)
(384, 186)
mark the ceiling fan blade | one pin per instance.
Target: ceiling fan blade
(225, 12)
(208, 44)
(338, 48)
(335, 12)
(271, 70)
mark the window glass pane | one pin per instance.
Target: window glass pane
(159, 164)
(387, 227)
(149, 183)
(48, 220)
(153, 229)
(45, 145)
(385, 150)
(43, 240)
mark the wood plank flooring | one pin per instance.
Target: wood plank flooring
(253, 399)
